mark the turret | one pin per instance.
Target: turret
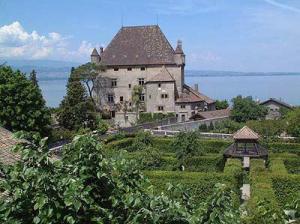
(95, 57)
(179, 55)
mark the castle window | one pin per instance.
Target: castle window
(129, 69)
(116, 69)
(113, 114)
(159, 85)
(164, 96)
(149, 96)
(121, 98)
(142, 97)
(114, 83)
(143, 68)
(182, 106)
(141, 81)
(110, 98)
(129, 86)
(160, 108)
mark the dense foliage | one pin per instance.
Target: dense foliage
(245, 109)
(21, 102)
(87, 186)
(221, 104)
(293, 122)
(76, 109)
(151, 117)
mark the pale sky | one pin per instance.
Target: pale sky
(235, 35)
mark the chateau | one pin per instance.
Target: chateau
(142, 55)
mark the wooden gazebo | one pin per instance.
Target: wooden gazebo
(246, 145)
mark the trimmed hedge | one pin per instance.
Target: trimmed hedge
(209, 163)
(122, 144)
(284, 147)
(292, 165)
(286, 187)
(277, 167)
(199, 184)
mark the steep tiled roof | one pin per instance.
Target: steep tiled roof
(190, 95)
(7, 141)
(277, 102)
(213, 114)
(246, 134)
(163, 76)
(94, 52)
(138, 45)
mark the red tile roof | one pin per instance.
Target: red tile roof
(245, 134)
(7, 141)
(190, 95)
(213, 114)
(138, 45)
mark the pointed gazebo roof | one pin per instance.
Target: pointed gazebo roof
(245, 134)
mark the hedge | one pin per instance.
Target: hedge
(277, 167)
(286, 187)
(199, 184)
(284, 147)
(292, 165)
(122, 144)
(208, 163)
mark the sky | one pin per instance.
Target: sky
(231, 35)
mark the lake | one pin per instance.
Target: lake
(261, 86)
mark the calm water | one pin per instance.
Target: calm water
(286, 87)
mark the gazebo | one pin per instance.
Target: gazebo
(246, 145)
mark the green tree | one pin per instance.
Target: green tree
(76, 109)
(245, 109)
(293, 122)
(33, 78)
(136, 98)
(221, 104)
(21, 102)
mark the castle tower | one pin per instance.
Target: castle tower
(179, 58)
(95, 57)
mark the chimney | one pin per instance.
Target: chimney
(101, 50)
(196, 87)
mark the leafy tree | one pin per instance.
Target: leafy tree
(267, 128)
(245, 109)
(227, 126)
(33, 78)
(136, 98)
(293, 122)
(185, 144)
(88, 74)
(76, 109)
(221, 104)
(21, 102)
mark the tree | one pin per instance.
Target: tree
(76, 110)
(21, 102)
(293, 122)
(33, 78)
(245, 109)
(88, 73)
(221, 104)
(136, 98)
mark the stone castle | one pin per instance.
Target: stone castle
(142, 55)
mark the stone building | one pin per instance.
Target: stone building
(142, 55)
(275, 108)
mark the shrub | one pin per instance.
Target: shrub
(61, 134)
(150, 158)
(283, 147)
(141, 141)
(123, 144)
(277, 166)
(292, 165)
(204, 163)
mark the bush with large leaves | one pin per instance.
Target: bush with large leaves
(85, 186)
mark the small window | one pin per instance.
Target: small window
(160, 108)
(142, 97)
(182, 106)
(129, 86)
(143, 68)
(129, 69)
(110, 98)
(113, 113)
(130, 104)
(114, 83)
(126, 118)
(116, 69)
(141, 81)
(159, 85)
(164, 96)
(121, 98)
(149, 96)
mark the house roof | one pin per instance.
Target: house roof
(277, 102)
(190, 95)
(138, 45)
(163, 76)
(7, 141)
(245, 134)
(212, 114)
